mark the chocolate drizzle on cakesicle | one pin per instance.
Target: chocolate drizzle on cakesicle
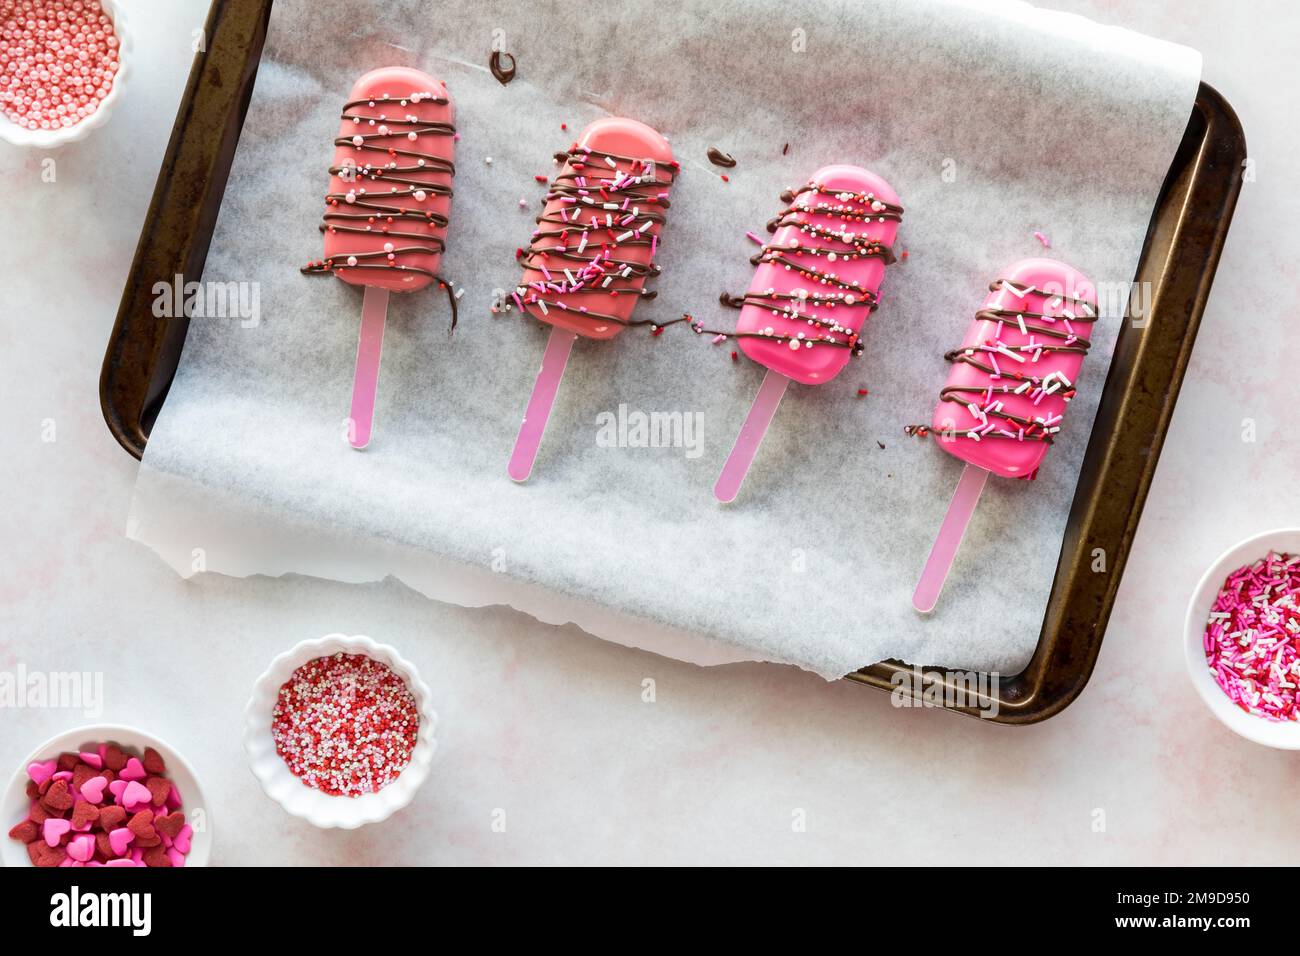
(826, 225)
(604, 203)
(1010, 365)
(389, 183)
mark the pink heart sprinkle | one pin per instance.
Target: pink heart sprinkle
(93, 789)
(92, 760)
(137, 856)
(42, 770)
(120, 839)
(69, 861)
(120, 863)
(134, 770)
(177, 858)
(116, 788)
(135, 794)
(182, 841)
(62, 775)
(55, 827)
(81, 848)
(173, 799)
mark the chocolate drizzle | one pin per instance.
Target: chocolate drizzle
(991, 417)
(411, 176)
(502, 74)
(624, 200)
(821, 242)
(718, 158)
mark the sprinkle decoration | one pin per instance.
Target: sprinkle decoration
(1011, 400)
(1041, 237)
(345, 724)
(825, 219)
(598, 207)
(58, 61)
(386, 185)
(1252, 637)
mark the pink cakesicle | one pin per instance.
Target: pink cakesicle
(387, 208)
(1005, 397)
(817, 281)
(592, 250)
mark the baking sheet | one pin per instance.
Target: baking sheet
(990, 120)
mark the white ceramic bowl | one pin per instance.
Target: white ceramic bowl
(1285, 735)
(290, 792)
(50, 138)
(16, 804)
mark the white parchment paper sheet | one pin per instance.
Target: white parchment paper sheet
(991, 121)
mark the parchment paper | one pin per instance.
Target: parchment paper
(991, 121)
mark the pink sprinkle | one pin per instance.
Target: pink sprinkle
(754, 237)
(1047, 243)
(1252, 637)
(719, 338)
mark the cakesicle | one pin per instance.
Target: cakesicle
(815, 283)
(386, 212)
(592, 250)
(1005, 397)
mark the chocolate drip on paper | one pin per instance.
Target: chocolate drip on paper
(718, 158)
(503, 74)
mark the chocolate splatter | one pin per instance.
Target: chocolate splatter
(785, 149)
(503, 74)
(718, 158)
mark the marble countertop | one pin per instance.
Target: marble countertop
(546, 728)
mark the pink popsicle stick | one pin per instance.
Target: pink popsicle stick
(370, 344)
(556, 357)
(964, 500)
(750, 437)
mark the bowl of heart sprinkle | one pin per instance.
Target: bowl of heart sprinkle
(345, 724)
(1252, 637)
(101, 804)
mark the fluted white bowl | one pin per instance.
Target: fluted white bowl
(1284, 735)
(50, 138)
(300, 800)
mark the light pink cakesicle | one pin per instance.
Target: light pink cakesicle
(591, 253)
(815, 284)
(385, 221)
(1005, 397)
(386, 212)
(595, 241)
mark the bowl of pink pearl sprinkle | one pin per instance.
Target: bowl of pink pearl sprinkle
(62, 65)
(1242, 638)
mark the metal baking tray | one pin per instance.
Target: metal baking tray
(1183, 243)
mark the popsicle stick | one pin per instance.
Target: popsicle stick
(750, 437)
(365, 383)
(556, 357)
(964, 500)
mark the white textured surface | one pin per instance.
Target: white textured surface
(548, 724)
(816, 561)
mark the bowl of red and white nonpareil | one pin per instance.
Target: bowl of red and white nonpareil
(340, 731)
(1242, 638)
